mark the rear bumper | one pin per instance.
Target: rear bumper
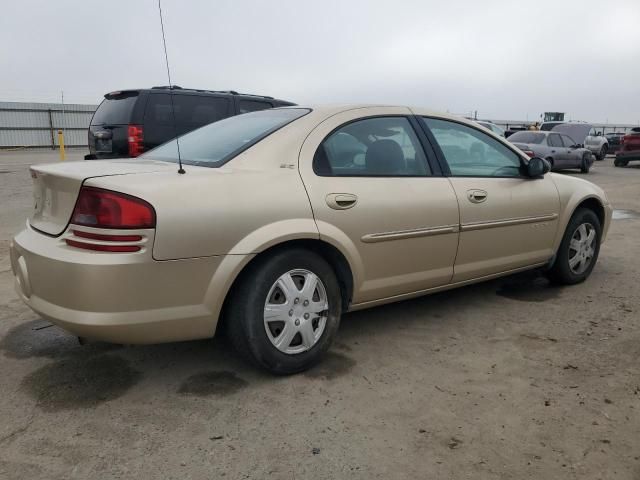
(121, 298)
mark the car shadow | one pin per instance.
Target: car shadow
(84, 376)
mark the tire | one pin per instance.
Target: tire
(256, 338)
(620, 163)
(584, 166)
(603, 152)
(550, 160)
(563, 271)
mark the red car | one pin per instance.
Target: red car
(629, 148)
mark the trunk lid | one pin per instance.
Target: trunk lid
(577, 131)
(56, 187)
(522, 146)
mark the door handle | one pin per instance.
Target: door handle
(341, 201)
(476, 196)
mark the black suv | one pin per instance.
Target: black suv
(130, 122)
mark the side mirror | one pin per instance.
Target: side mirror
(537, 167)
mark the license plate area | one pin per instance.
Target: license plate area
(104, 145)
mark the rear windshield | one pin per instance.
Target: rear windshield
(527, 137)
(115, 110)
(218, 142)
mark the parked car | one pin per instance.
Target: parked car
(560, 150)
(630, 150)
(615, 141)
(130, 122)
(584, 134)
(597, 143)
(513, 130)
(287, 218)
(491, 126)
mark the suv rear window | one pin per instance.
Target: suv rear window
(191, 111)
(253, 106)
(115, 109)
(217, 143)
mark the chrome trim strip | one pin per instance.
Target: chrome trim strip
(467, 227)
(402, 234)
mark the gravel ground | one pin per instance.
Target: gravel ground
(511, 378)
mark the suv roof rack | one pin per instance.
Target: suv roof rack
(228, 92)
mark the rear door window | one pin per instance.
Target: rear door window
(554, 140)
(191, 111)
(253, 106)
(115, 110)
(372, 147)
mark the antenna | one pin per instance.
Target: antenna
(173, 108)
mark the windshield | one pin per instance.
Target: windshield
(218, 142)
(527, 137)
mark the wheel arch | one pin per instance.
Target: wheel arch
(592, 203)
(330, 253)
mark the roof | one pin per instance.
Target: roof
(179, 89)
(334, 109)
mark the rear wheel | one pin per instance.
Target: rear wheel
(285, 312)
(579, 248)
(620, 163)
(550, 160)
(585, 165)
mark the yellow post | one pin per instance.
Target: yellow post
(61, 144)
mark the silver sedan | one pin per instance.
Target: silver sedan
(560, 150)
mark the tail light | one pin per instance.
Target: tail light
(106, 209)
(529, 153)
(135, 140)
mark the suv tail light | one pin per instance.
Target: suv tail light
(106, 209)
(135, 140)
(529, 153)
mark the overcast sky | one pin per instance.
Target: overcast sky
(506, 59)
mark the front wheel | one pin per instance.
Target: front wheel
(286, 311)
(578, 250)
(620, 163)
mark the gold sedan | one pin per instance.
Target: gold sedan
(285, 219)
